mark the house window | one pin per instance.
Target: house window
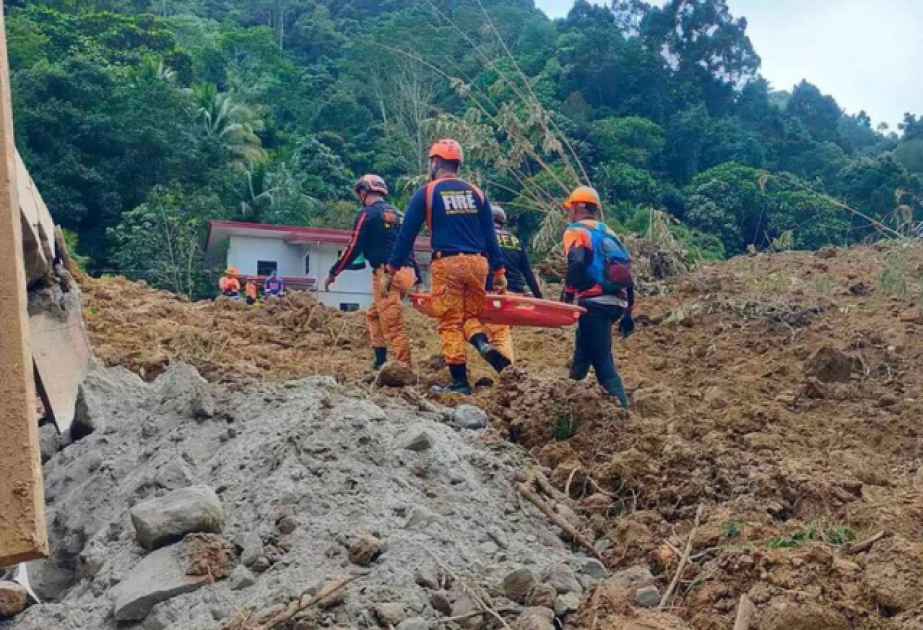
(349, 307)
(307, 264)
(266, 267)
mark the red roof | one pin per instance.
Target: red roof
(291, 234)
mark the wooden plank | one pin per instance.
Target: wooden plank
(22, 497)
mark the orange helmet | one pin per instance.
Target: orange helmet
(583, 194)
(446, 149)
(370, 183)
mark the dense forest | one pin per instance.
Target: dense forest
(142, 119)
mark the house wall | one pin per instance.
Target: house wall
(350, 288)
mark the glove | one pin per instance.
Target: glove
(384, 283)
(626, 325)
(330, 280)
(500, 283)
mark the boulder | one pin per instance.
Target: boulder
(465, 605)
(518, 584)
(470, 417)
(364, 550)
(158, 577)
(566, 604)
(542, 596)
(241, 578)
(562, 579)
(420, 442)
(632, 578)
(395, 374)
(413, 623)
(167, 519)
(252, 546)
(174, 475)
(593, 568)
(535, 619)
(648, 597)
(390, 614)
(13, 599)
(203, 405)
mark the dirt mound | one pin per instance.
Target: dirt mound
(780, 391)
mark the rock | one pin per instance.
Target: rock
(464, 605)
(888, 400)
(422, 441)
(593, 568)
(860, 289)
(648, 597)
(209, 555)
(566, 604)
(174, 475)
(158, 577)
(364, 551)
(632, 578)
(440, 602)
(518, 584)
(288, 525)
(47, 441)
(829, 365)
(657, 401)
(252, 546)
(261, 565)
(88, 417)
(13, 599)
(535, 619)
(395, 374)
(413, 623)
(563, 580)
(390, 614)
(826, 252)
(489, 548)
(542, 596)
(167, 519)
(470, 417)
(426, 577)
(203, 405)
(241, 578)
(420, 515)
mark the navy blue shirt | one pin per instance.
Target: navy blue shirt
(460, 222)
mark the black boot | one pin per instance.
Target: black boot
(459, 384)
(381, 357)
(494, 357)
(614, 387)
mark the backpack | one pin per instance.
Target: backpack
(611, 265)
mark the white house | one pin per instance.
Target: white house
(301, 256)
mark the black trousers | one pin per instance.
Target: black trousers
(593, 348)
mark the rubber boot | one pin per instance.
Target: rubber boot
(381, 357)
(578, 372)
(614, 387)
(459, 384)
(494, 357)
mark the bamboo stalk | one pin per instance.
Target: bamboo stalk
(558, 520)
(682, 562)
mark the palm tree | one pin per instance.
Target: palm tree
(232, 124)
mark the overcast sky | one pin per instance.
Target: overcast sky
(867, 54)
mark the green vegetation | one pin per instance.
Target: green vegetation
(142, 119)
(837, 536)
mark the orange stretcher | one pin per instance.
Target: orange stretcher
(515, 310)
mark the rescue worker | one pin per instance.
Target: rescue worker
(465, 251)
(250, 291)
(374, 235)
(605, 303)
(273, 285)
(229, 284)
(518, 274)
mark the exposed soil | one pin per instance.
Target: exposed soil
(781, 391)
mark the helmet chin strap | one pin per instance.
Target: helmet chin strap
(435, 165)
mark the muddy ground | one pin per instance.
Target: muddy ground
(781, 392)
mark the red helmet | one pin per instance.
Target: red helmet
(371, 183)
(447, 149)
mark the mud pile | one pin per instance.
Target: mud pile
(289, 486)
(781, 392)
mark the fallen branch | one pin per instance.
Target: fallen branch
(865, 545)
(745, 612)
(570, 479)
(558, 520)
(296, 607)
(685, 559)
(542, 483)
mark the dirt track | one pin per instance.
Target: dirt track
(796, 454)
